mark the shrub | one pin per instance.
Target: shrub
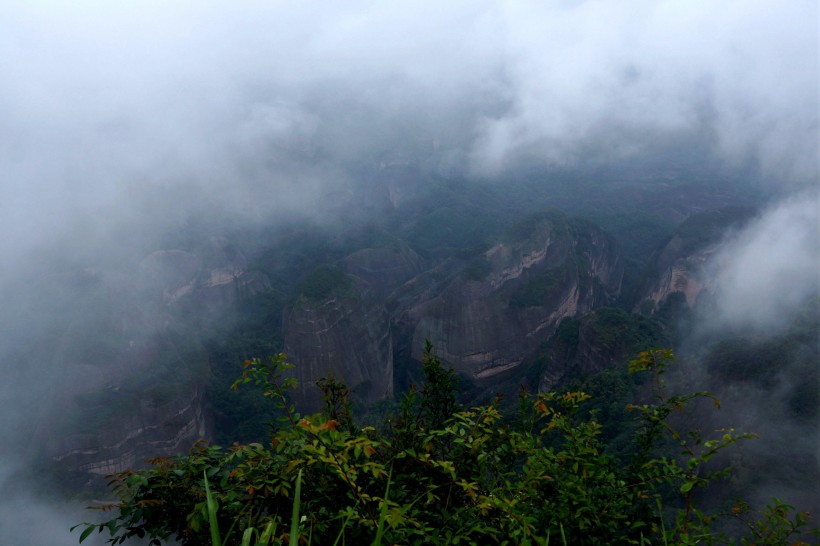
(441, 474)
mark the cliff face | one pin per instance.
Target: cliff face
(133, 372)
(126, 429)
(347, 332)
(676, 270)
(596, 341)
(131, 386)
(217, 279)
(678, 267)
(385, 268)
(486, 316)
(347, 336)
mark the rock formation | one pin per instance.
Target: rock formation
(486, 316)
(346, 335)
(134, 372)
(678, 267)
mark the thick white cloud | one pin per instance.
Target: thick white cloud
(107, 109)
(744, 72)
(99, 99)
(769, 272)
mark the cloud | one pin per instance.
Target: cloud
(744, 74)
(103, 103)
(771, 269)
(755, 344)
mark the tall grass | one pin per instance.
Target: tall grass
(294, 517)
(264, 537)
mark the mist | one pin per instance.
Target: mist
(120, 122)
(767, 273)
(762, 303)
(103, 105)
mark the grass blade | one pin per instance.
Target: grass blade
(344, 525)
(384, 509)
(247, 536)
(265, 539)
(294, 519)
(212, 508)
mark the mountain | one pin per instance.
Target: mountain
(485, 315)
(345, 334)
(677, 268)
(134, 374)
(510, 292)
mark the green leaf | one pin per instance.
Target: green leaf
(85, 534)
(294, 519)
(265, 539)
(212, 509)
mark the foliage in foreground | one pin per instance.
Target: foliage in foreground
(438, 474)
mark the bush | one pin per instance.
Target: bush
(441, 474)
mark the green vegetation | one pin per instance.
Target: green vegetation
(324, 281)
(619, 332)
(527, 227)
(435, 473)
(604, 336)
(538, 287)
(705, 228)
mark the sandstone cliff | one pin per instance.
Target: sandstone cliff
(132, 372)
(486, 316)
(344, 334)
(678, 267)
(385, 268)
(599, 340)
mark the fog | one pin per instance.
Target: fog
(117, 120)
(101, 105)
(766, 273)
(764, 294)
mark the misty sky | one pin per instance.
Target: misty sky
(103, 103)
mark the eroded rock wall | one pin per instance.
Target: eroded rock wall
(679, 267)
(486, 318)
(132, 372)
(348, 337)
